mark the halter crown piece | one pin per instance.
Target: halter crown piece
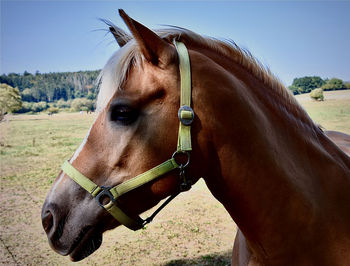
(186, 116)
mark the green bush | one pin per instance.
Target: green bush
(317, 94)
(40, 106)
(82, 104)
(53, 110)
(63, 104)
(334, 84)
(54, 107)
(30, 107)
(26, 107)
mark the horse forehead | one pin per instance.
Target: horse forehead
(148, 76)
(140, 76)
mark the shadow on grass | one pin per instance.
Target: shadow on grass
(223, 258)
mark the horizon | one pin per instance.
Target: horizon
(293, 39)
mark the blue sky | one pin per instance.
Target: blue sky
(292, 38)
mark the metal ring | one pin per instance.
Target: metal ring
(182, 152)
(104, 192)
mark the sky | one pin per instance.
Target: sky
(292, 38)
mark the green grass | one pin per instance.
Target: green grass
(36, 147)
(32, 148)
(331, 114)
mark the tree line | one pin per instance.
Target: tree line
(77, 91)
(52, 87)
(307, 84)
(70, 91)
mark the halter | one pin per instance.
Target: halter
(186, 116)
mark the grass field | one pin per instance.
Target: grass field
(331, 114)
(193, 229)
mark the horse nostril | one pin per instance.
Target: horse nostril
(47, 221)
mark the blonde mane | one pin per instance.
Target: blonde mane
(115, 71)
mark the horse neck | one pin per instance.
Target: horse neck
(271, 167)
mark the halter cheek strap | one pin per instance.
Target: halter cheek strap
(111, 194)
(185, 114)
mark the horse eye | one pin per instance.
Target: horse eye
(123, 114)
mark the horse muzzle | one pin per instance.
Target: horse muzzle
(71, 232)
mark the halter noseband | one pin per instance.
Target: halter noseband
(186, 116)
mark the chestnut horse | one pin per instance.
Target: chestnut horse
(282, 180)
(341, 139)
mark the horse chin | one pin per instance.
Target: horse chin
(87, 242)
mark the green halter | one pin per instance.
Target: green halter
(186, 116)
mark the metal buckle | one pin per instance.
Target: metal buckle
(104, 193)
(186, 115)
(187, 160)
(186, 184)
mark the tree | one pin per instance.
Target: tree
(334, 84)
(91, 96)
(295, 90)
(306, 84)
(10, 100)
(27, 95)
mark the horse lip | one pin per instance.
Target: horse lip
(66, 251)
(78, 250)
(83, 232)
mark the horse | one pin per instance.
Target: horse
(175, 106)
(341, 139)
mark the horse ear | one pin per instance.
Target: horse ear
(120, 36)
(155, 49)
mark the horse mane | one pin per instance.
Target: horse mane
(114, 74)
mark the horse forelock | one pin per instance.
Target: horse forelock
(114, 73)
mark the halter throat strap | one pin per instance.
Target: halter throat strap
(186, 116)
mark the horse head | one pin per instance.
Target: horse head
(135, 130)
